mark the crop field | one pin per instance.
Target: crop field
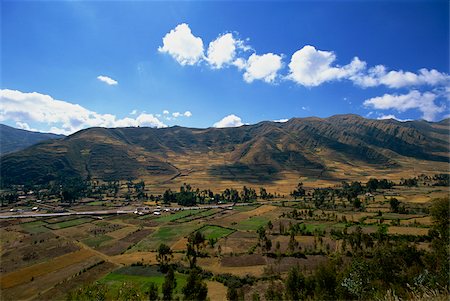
(44, 258)
(140, 276)
(215, 232)
(69, 223)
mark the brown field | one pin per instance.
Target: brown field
(58, 292)
(216, 290)
(407, 230)
(24, 274)
(237, 242)
(228, 220)
(30, 287)
(123, 232)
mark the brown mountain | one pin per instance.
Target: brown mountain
(330, 149)
(12, 139)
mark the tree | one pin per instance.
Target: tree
(164, 257)
(195, 243)
(274, 292)
(299, 191)
(195, 288)
(295, 284)
(395, 204)
(94, 291)
(169, 285)
(152, 292)
(440, 213)
(232, 294)
(129, 291)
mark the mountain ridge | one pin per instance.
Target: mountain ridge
(265, 152)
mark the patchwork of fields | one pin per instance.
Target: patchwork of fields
(46, 257)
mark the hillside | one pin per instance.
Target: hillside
(12, 139)
(332, 149)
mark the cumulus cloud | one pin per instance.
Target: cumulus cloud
(263, 67)
(222, 51)
(398, 79)
(166, 112)
(182, 45)
(63, 117)
(282, 120)
(187, 114)
(229, 121)
(424, 102)
(391, 116)
(176, 114)
(134, 112)
(25, 126)
(311, 67)
(107, 80)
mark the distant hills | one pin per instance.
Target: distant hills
(12, 139)
(331, 149)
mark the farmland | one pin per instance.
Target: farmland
(250, 243)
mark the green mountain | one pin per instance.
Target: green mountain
(12, 139)
(334, 148)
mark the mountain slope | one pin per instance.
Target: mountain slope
(12, 139)
(333, 148)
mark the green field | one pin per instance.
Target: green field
(96, 241)
(175, 216)
(252, 223)
(216, 232)
(139, 276)
(35, 227)
(245, 208)
(165, 234)
(70, 223)
(198, 214)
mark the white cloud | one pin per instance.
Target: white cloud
(391, 116)
(134, 112)
(182, 45)
(311, 67)
(222, 50)
(25, 126)
(229, 121)
(263, 67)
(282, 120)
(107, 80)
(378, 75)
(166, 112)
(63, 117)
(187, 114)
(424, 102)
(239, 63)
(176, 114)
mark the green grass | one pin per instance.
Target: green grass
(172, 217)
(70, 223)
(203, 213)
(252, 223)
(165, 234)
(96, 241)
(215, 232)
(312, 227)
(245, 208)
(115, 279)
(35, 227)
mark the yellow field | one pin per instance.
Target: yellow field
(121, 233)
(407, 230)
(216, 291)
(24, 275)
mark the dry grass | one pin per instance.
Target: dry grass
(407, 230)
(216, 291)
(25, 274)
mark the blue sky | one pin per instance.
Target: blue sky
(220, 63)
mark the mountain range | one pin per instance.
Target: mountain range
(330, 149)
(12, 139)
